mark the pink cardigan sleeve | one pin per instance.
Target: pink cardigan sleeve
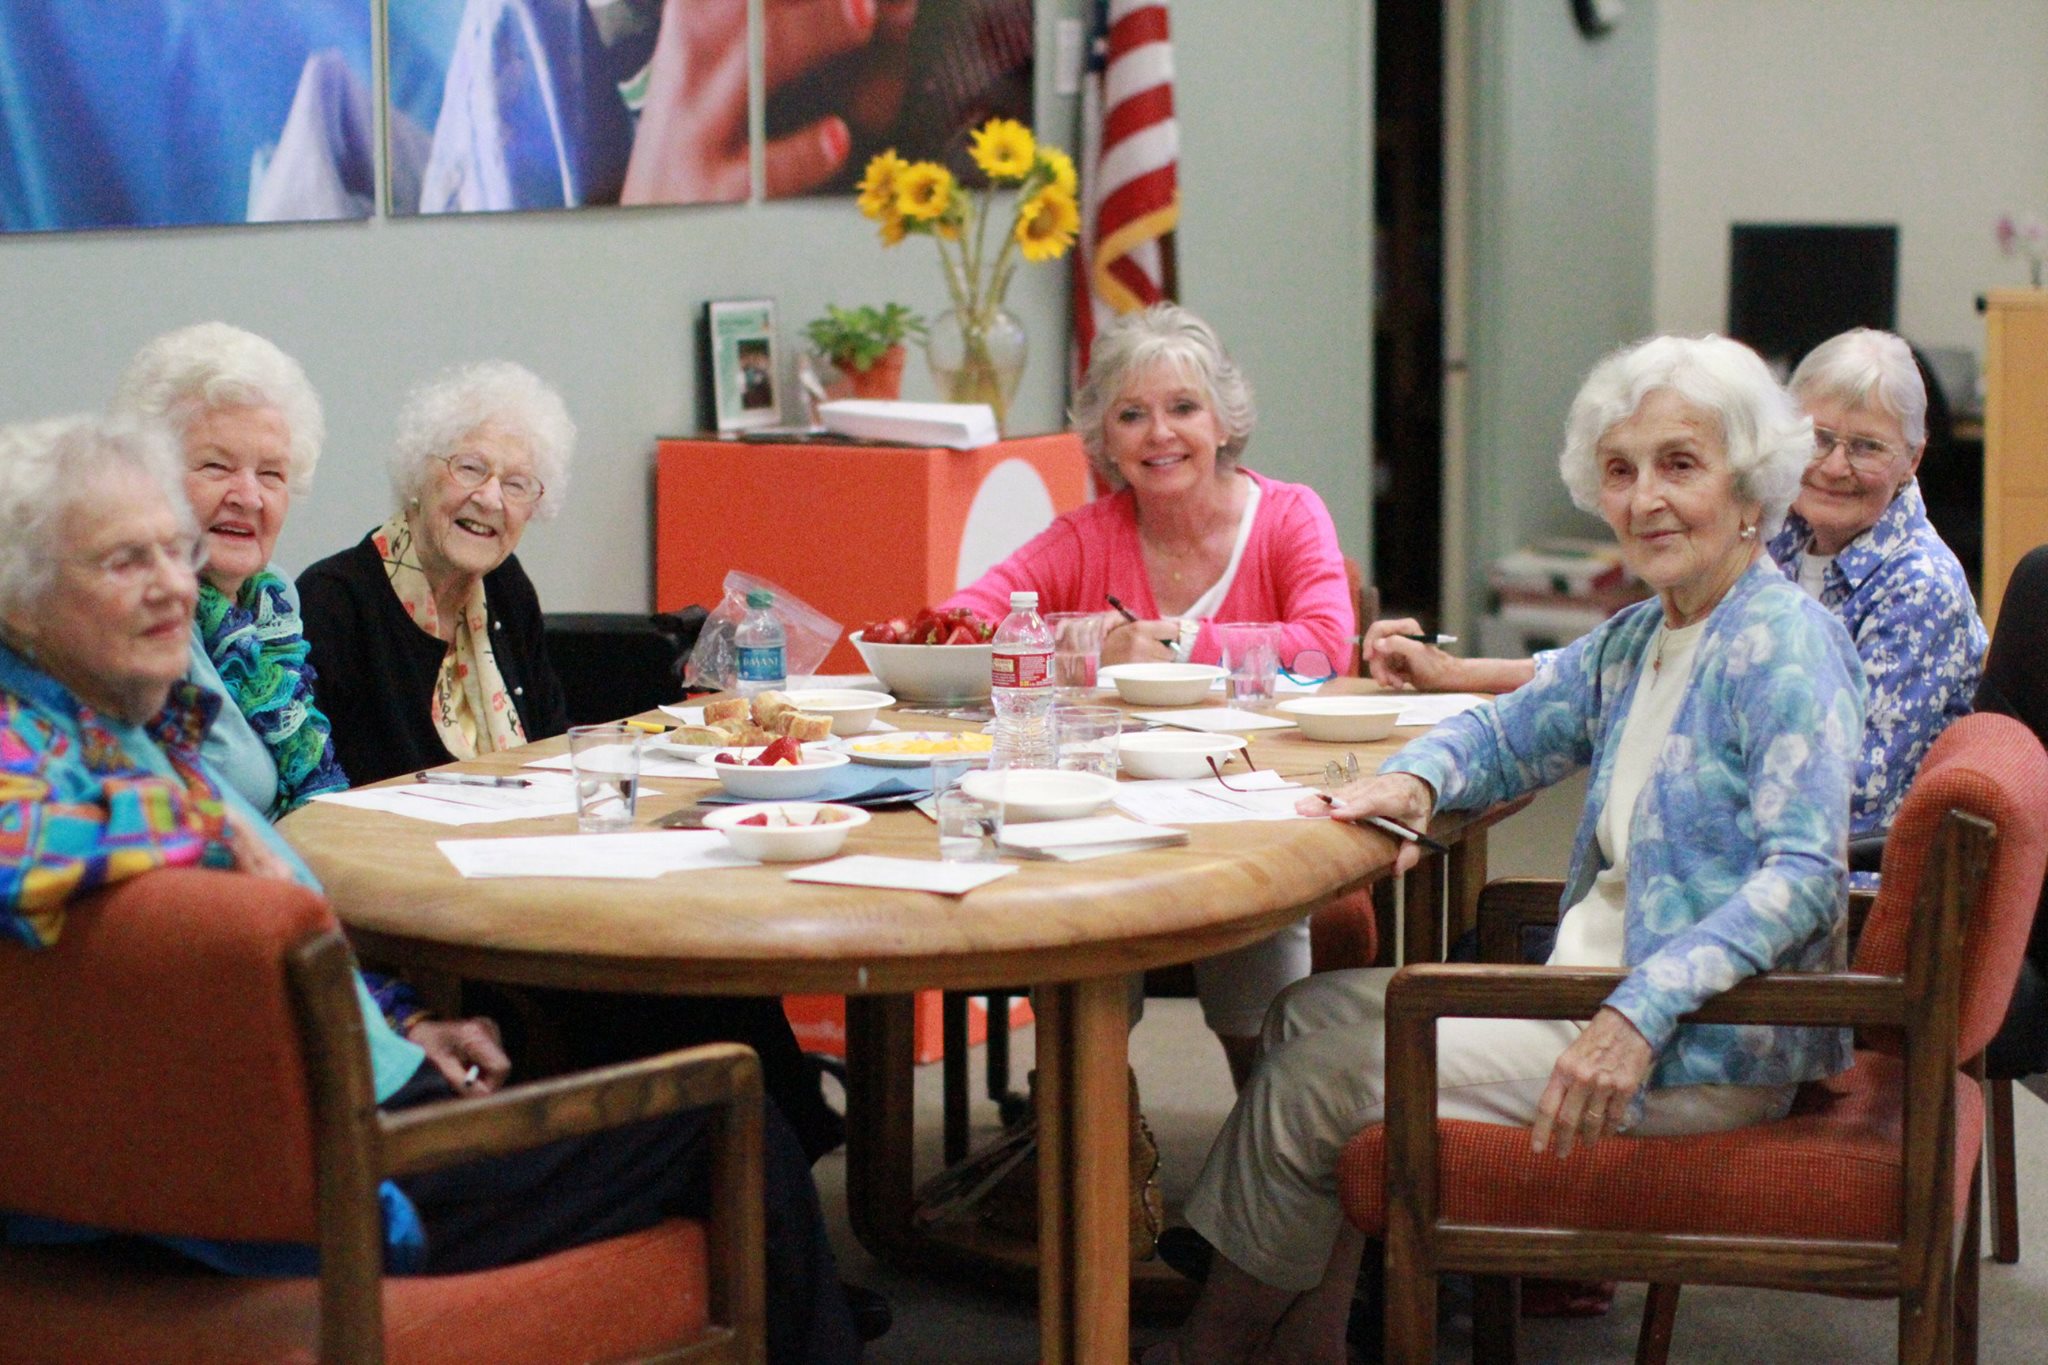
(1050, 564)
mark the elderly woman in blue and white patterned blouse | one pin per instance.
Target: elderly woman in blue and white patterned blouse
(1858, 540)
(1720, 721)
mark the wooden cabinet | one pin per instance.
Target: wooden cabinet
(2015, 435)
(859, 532)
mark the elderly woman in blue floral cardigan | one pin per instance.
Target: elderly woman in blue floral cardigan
(1721, 722)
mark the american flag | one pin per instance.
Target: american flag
(1130, 169)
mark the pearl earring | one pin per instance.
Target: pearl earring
(1749, 533)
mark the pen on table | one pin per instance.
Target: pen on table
(1393, 827)
(650, 726)
(470, 780)
(1432, 639)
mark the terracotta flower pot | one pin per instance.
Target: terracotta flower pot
(883, 379)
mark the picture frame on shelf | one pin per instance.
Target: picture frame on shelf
(742, 364)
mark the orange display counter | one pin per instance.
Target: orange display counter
(859, 532)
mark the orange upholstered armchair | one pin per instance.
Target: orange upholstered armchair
(188, 1060)
(1860, 1190)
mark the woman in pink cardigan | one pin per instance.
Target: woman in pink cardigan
(1188, 539)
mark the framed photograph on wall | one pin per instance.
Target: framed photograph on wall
(740, 355)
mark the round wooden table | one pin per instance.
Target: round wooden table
(1074, 931)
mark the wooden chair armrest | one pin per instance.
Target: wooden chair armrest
(447, 1132)
(1422, 993)
(1510, 905)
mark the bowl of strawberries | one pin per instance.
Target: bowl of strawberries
(780, 771)
(935, 657)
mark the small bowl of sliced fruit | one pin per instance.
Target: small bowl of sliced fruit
(786, 831)
(781, 771)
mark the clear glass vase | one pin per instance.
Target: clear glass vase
(978, 357)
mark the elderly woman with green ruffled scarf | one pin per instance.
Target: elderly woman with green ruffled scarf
(250, 427)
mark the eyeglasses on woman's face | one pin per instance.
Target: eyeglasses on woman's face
(1866, 454)
(128, 566)
(473, 472)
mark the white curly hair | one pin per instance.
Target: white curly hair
(442, 413)
(213, 365)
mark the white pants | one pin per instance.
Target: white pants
(1267, 1196)
(1237, 988)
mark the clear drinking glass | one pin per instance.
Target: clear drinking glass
(968, 828)
(1076, 651)
(1251, 657)
(607, 765)
(1085, 738)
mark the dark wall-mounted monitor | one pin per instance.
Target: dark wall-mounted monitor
(1792, 286)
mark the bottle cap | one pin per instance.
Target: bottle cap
(1023, 601)
(760, 599)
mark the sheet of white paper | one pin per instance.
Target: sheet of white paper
(446, 804)
(651, 764)
(1047, 836)
(1434, 707)
(1261, 795)
(1216, 719)
(904, 874)
(634, 855)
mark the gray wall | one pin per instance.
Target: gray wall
(1564, 135)
(603, 303)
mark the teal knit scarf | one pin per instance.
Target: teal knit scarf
(259, 646)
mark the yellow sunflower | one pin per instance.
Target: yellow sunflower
(1047, 223)
(924, 190)
(878, 185)
(1061, 167)
(1004, 149)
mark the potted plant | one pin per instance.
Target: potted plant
(866, 346)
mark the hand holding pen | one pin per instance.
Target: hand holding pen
(1396, 804)
(1165, 634)
(1400, 654)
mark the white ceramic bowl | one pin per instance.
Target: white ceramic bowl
(1175, 753)
(786, 843)
(1344, 720)
(1041, 793)
(1162, 684)
(929, 673)
(786, 783)
(852, 710)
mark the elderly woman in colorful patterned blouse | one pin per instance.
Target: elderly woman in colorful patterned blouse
(1720, 722)
(1859, 542)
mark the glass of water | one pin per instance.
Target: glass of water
(607, 763)
(968, 827)
(1085, 738)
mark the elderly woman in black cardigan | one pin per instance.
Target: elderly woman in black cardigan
(427, 646)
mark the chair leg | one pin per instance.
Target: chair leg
(2005, 1207)
(1660, 1316)
(1969, 1260)
(1496, 1315)
(953, 1073)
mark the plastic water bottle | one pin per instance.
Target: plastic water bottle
(1020, 685)
(763, 646)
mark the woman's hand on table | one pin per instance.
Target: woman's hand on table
(1139, 642)
(1401, 797)
(1593, 1085)
(456, 1046)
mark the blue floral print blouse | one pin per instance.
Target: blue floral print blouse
(1902, 594)
(1737, 848)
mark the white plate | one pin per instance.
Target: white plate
(1176, 753)
(689, 752)
(1041, 793)
(860, 750)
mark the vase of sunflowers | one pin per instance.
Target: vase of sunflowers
(976, 349)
